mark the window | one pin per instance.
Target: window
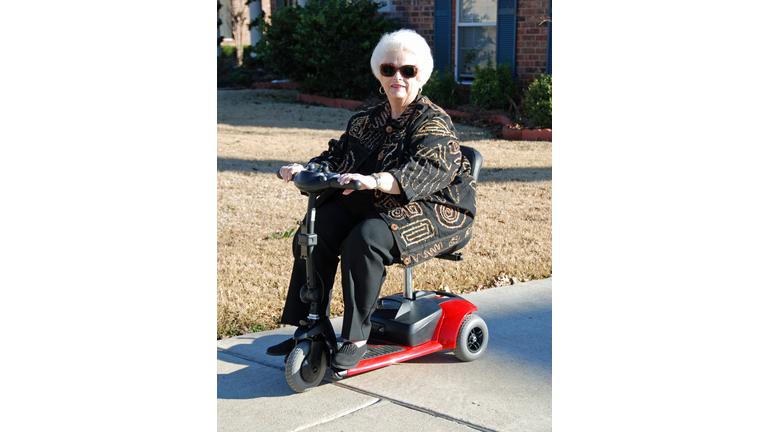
(475, 35)
(226, 20)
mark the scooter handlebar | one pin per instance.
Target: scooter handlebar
(354, 184)
(318, 181)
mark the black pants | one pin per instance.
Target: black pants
(349, 230)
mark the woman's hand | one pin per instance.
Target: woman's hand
(287, 172)
(388, 182)
(368, 181)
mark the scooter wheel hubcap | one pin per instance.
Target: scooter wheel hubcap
(475, 339)
(308, 372)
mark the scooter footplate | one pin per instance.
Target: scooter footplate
(382, 350)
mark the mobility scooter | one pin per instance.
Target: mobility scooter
(404, 326)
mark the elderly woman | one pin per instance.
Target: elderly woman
(417, 198)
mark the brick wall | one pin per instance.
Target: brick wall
(531, 56)
(416, 15)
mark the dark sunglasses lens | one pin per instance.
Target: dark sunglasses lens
(408, 71)
(388, 70)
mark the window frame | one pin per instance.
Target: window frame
(468, 79)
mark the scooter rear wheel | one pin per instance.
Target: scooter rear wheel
(302, 376)
(472, 339)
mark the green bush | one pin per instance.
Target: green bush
(224, 66)
(325, 47)
(538, 101)
(228, 74)
(249, 61)
(443, 89)
(228, 51)
(494, 87)
(276, 46)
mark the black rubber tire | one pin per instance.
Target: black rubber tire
(472, 339)
(293, 366)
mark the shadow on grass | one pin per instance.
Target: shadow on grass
(247, 113)
(245, 165)
(527, 174)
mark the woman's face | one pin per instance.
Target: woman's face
(398, 88)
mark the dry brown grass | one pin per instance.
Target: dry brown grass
(260, 130)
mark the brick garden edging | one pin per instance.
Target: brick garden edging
(527, 134)
(507, 131)
(329, 102)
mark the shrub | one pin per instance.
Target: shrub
(224, 66)
(228, 74)
(494, 87)
(276, 46)
(228, 51)
(443, 89)
(538, 101)
(243, 77)
(250, 61)
(325, 47)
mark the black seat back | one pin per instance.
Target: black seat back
(476, 162)
(475, 159)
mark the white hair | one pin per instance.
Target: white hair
(404, 40)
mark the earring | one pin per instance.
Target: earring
(381, 90)
(419, 91)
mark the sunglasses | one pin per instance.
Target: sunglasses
(389, 70)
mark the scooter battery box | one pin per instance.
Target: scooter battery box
(405, 322)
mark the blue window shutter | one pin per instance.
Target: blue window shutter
(442, 50)
(549, 40)
(506, 32)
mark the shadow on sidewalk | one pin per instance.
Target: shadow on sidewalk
(250, 378)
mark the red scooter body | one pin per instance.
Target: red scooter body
(454, 310)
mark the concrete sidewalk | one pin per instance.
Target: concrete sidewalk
(508, 389)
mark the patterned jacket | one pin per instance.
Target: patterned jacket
(436, 207)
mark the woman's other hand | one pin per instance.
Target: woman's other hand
(287, 172)
(368, 181)
(388, 182)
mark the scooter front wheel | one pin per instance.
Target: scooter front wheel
(300, 374)
(472, 339)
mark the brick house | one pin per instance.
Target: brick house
(225, 28)
(518, 30)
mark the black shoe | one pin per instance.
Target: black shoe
(348, 356)
(282, 349)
